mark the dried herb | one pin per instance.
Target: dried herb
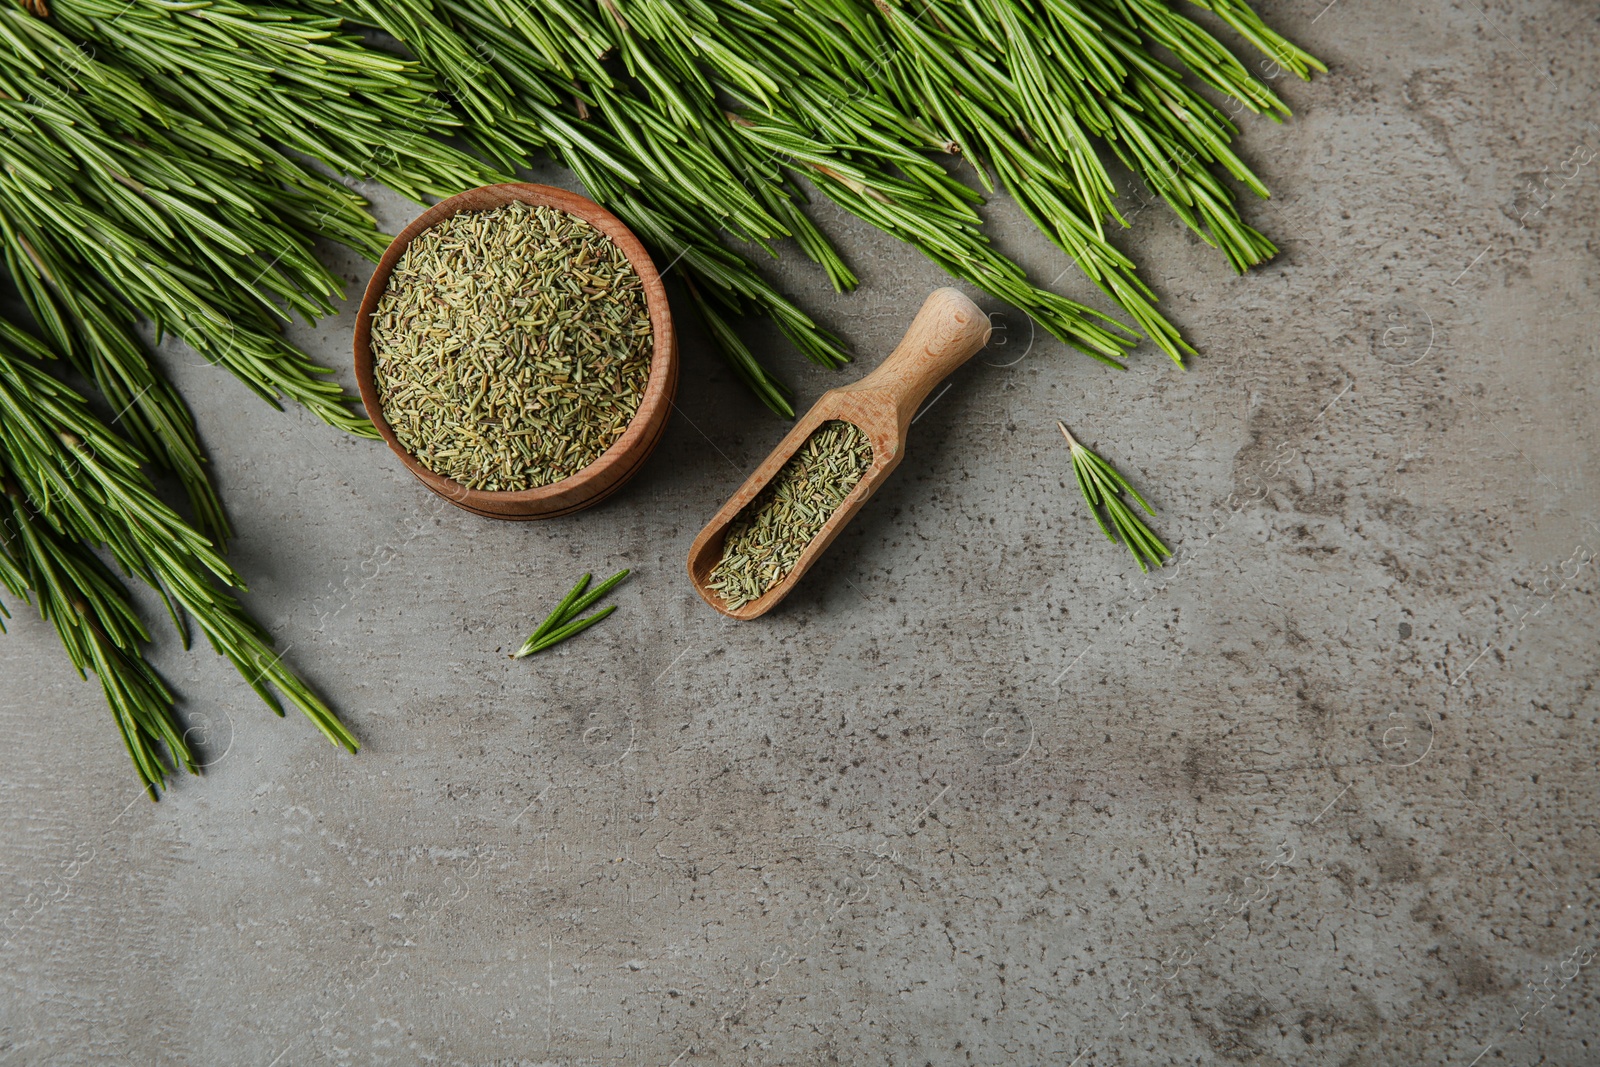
(1101, 485)
(559, 624)
(765, 540)
(511, 346)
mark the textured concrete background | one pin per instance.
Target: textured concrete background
(1323, 791)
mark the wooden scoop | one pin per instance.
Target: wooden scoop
(945, 334)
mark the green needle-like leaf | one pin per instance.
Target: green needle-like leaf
(1102, 487)
(558, 625)
(552, 639)
(71, 484)
(559, 615)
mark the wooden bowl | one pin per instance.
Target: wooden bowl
(627, 453)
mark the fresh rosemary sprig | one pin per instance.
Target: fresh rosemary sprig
(851, 96)
(560, 625)
(253, 73)
(101, 204)
(97, 626)
(71, 484)
(118, 204)
(1102, 487)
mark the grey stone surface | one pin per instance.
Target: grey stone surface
(1323, 791)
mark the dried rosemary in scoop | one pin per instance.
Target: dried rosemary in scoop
(511, 346)
(765, 541)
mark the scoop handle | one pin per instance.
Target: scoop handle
(946, 333)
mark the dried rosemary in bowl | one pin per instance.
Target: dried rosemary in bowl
(765, 541)
(511, 346)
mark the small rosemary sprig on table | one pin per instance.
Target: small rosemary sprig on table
(1101, 486)
(558, 625)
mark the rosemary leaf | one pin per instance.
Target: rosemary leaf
(558, 625)
(1102, 487)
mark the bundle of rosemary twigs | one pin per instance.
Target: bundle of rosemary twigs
(71, 484)
(117, 206)
(724, 107)
(153, 167)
